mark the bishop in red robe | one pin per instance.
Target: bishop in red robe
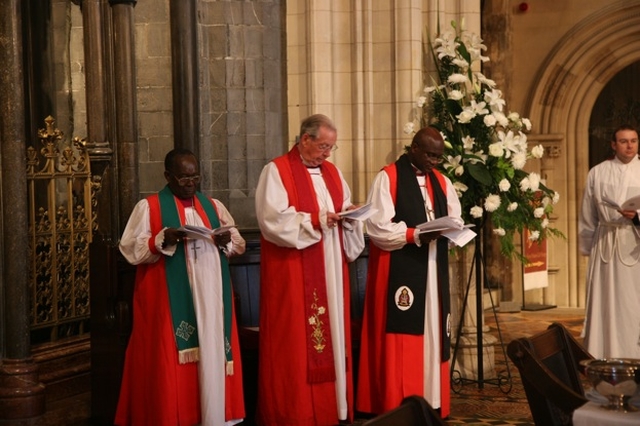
(182, 365)
(405, 346)
(305, 365)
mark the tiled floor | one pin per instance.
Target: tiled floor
(503, 405)
(471, 405)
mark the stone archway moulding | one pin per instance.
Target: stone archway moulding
(560, 106)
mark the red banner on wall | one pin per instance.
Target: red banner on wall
(535, 270)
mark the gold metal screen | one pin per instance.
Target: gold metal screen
(61, 223)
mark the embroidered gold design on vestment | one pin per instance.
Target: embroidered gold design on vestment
(317, 336)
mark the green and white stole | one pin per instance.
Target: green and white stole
(180, 296)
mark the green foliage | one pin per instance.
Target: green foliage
(486, 148)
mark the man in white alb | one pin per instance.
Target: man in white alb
(609, 235)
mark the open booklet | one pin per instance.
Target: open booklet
(202, 233)
(361, 213)
(452, 227)
(632, 203)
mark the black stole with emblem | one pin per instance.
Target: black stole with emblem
(408, 266)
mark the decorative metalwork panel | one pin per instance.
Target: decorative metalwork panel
(61, 224)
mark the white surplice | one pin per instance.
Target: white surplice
(203, 265)
(391, 236)
(612, 321)
(286, 227)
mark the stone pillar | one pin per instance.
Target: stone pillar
(184, 66)
(21, 393)
(125, 106)
(242, 98)
(497, 35)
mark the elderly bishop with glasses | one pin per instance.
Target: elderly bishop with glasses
(182, 364)
(305, 371)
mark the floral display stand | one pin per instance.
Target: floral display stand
(485, 157)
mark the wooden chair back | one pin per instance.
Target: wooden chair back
(549, 367)
(414, 411)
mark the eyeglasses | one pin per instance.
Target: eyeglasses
(325, 147)
(183, 181)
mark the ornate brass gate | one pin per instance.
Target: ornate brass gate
(61, 223)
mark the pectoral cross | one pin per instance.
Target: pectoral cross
(194, 247)
(430, 214)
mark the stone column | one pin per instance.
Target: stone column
(184, 66)
(242, 98)
(100, 109)
(125, 110)
(21, 393)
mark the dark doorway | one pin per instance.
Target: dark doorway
(617, 104)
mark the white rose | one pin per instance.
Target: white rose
(496, 149)
(534, 181)
(545, 223)
(537, 151)
(455, 95)
(499, 231)
(525, 184)
(492, 202)
(489, 120)
(518, 160)
(534, 235)
(512, 206)
(538, 212)
(504, 185)
(513, 116)
(501, 118)
(527, 123)
(476, 212)
(421, 100)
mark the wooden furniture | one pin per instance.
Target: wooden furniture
(548, 363)
(414, 411)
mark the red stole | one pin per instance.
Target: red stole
(302, 196)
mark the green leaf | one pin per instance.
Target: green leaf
(480, 173)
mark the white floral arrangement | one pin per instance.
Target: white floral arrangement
(485, 146)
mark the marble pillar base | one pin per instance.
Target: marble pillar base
(467, 356)
(21, 394)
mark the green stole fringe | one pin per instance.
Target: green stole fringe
(180, 296)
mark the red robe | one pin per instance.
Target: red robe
(391, 365)
(285, 397)
(156, 389)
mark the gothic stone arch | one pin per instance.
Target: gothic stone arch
(560, 107)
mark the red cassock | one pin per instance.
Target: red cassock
(391, 365)
(156, 389)
(285, 396)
